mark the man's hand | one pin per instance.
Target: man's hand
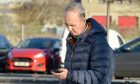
(62, 75)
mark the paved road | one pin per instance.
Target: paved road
(17, 78)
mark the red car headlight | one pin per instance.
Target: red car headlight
(39, 55)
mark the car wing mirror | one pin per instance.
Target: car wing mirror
(126, 49)
(56, 50)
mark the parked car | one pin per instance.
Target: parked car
(35, 54)
(5, 47)
(127, 59)
(113, 38)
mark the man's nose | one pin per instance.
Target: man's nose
(69, 28)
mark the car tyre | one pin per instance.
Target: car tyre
(118, 77)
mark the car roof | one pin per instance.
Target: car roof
(5, 40)
(44, 38)
(133, 40)
(2, 36)
(129, 42)
(50, 38)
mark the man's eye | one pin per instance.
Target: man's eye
(71, 25)
(66, 24)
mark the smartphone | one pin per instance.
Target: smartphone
(56, 71)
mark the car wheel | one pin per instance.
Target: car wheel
(48, 72)
(40, 72)
(117, 77)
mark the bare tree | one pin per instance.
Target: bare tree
(40, 12)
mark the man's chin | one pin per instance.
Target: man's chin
(75, 35)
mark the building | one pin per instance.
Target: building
(123, 13)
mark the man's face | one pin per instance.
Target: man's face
(74, 23)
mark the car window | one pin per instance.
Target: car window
(135, 46)
(57, 44)
(2, 41)
(120, 40)
(46, 44)
(23, 44)
(40, 44)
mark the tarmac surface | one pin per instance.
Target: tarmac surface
(18, 78)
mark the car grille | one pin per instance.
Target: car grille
(22, 60)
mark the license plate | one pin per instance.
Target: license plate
(21, 63)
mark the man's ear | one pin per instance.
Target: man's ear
(83, 19)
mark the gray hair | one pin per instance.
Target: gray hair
(76, 6)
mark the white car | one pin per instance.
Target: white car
(113, 38)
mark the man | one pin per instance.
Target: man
(89, 59)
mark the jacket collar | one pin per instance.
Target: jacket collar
(96, 27)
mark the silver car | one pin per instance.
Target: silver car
(127, 59)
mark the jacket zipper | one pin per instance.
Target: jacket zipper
(72, 55)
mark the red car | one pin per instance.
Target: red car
(35, 54)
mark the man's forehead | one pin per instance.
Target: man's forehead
(72, 12)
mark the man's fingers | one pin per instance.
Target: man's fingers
(62, 69)
(56, 74)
